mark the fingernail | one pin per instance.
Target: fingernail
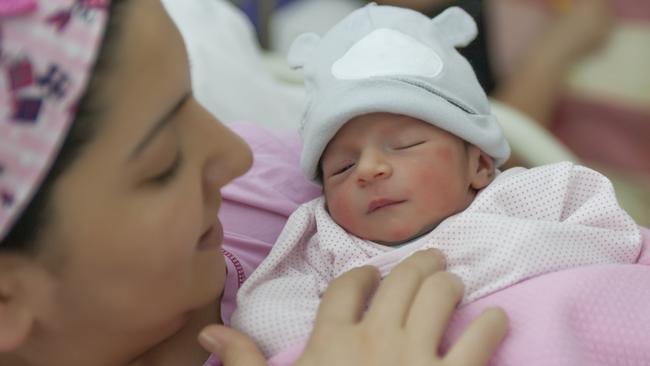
(440, 260)
(209, 341)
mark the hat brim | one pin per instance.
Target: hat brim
(324, 119)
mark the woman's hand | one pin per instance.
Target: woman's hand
(403, 325)
(582, 28)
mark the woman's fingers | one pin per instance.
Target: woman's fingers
(232, 347)
(441, 291)
(405, 322)
(393, 300)
(345, 298)
(480, 340)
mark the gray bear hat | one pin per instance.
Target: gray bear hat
(395, 60)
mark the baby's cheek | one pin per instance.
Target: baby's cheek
(341, 212)
(436, 191)
(428, 181)
(445, 154)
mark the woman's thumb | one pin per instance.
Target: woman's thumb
(232, 347)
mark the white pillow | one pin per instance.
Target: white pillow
(529, 141)
(229, 76)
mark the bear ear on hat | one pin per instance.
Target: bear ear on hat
(455, 27)
(301, 49)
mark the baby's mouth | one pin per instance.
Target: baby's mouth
(381, 203)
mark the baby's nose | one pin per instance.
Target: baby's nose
(373, 168)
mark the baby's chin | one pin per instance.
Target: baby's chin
(403, 238)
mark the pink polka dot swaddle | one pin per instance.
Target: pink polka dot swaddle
(525, 224)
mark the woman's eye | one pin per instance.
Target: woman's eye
(409, 145)
(170, 172)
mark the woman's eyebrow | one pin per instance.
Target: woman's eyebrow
(158, 127)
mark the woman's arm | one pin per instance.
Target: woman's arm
(534, 86)
(403, 325)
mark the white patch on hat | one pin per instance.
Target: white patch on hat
(386, 52)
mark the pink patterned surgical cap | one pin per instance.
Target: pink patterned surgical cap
(47, 51)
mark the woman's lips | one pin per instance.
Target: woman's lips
(212, 238)
(381, 203)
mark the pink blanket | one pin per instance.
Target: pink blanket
(598, 315)
(595, 315)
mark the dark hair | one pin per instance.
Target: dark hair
(25, 233)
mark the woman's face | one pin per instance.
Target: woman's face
(134, 241)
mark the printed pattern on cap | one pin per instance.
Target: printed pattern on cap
(47, 50)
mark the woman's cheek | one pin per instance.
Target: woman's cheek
(181, 219)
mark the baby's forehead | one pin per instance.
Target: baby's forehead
(384, 123)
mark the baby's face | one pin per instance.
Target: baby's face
(389, 178)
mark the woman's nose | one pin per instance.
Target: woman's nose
(230, 158)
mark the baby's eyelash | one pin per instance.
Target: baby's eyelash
(342, 170)
(410, 145)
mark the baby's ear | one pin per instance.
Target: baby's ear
(481, 166)
(455, 27)
(301, 48)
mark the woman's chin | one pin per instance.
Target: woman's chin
(210, 278)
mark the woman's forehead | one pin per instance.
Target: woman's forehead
(149, 73)
(149, 49)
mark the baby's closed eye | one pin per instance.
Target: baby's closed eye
(341, 168)
(407, 144)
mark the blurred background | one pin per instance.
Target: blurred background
(579, 69)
